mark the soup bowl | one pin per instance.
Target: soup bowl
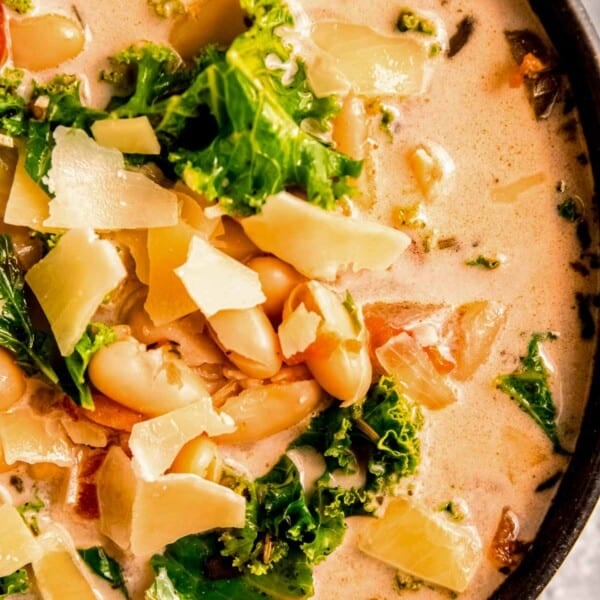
(578, 44)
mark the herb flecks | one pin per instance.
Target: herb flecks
(529, 387)
(408, 20)
(484, 262)
(463, 33)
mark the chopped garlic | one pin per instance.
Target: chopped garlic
(232, 285)
(92, 188)
(72, 280)
(156, 442)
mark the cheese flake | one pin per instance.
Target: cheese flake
(92, 188)
(298, 330)
(218, 282)
(71, 281)
(319, 243)
(18, 547)
(155, 443)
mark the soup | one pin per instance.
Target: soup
(319, 328)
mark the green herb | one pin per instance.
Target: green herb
(15, 583)
(29, 511)
(483, 262)
(434, 50)
(408, 583)
(569, 210)
(12, 105)
(104, 566)
(286, 532)
(453, 510)
(384, 427)
(412, 216)
(96, 336)
(48, 240)
(408, 20)
(167, 8)
(529, 387)
(17, 334)
(354, 311)
(387, 118)
(21, 6)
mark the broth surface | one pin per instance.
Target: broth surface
(482, 451)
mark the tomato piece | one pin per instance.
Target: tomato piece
(441, 364)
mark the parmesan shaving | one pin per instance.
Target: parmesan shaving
(326, 243)
(72, 280)
(298, 331)
(232, 285)
(156, 442)
(92, 188)
(18, 547)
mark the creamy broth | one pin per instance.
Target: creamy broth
(482, 451)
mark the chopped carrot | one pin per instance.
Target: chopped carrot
(442, 365)
(112, 414)
(530, 66)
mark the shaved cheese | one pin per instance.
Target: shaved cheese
(59, 572)
(298, 330)
(116, 485)
(33, 439)
(433, 168)
(372, 63)
(232, 285)
(27, 203)
(18, 547)
(92, 188)
(131, 136)
(168, 299)
(326, 242)
(71, 281)
(155, 443)
(192, 213)
(176, 505)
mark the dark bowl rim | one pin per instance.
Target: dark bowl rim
(573, 34)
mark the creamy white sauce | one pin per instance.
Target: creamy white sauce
(482, 450)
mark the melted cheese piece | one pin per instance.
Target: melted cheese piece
(18, 547)
(72, 280)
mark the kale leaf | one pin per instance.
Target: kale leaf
(30, 346)
(529, 387)
(104, 566)
(15, 583)
(96, 336)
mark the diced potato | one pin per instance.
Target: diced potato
(68, 290)
(373, 63)
(298, 330)
(233, 286)
(326, 243)
(425, 545)
(261, 411)
(130, 136)
(116, 485)
(155, 443)
(413, 371)
(59, 572)
(176, 505)
(27, 203)
(33, 439)
(18, 547)
(207, 22)
(472, 333)
(92, 188)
